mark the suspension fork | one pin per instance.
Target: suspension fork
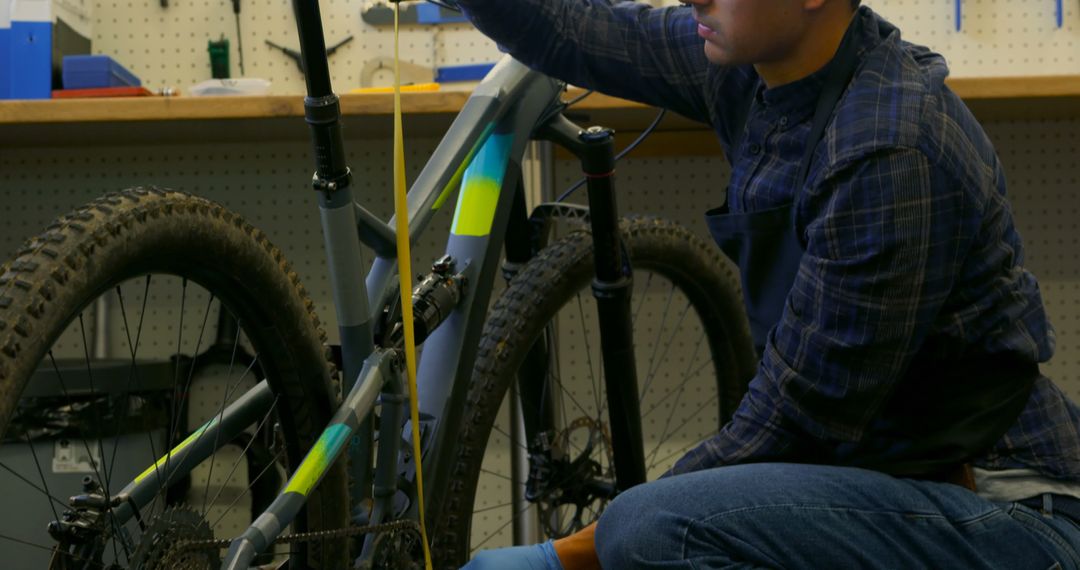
(611, 287)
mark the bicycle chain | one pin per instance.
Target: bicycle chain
(174, 553)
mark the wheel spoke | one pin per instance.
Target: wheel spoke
(495, 532)
(678, 396)
(588, 354)
(176, 375)
(235, 464)
(230, 390)
(44, 483)
(499, 475)
(660, 330)
(507, 436)
(573, 400)
(133, 349)
(644, 295)
(221, 414)
(667, 425)
(271, 463)
(51, 548)
(103, 481)
(667, 346)
(67, 396)
(131, 376)
(670, 393)
(689, 418)
(35, 487)
(493, 507)
(185, 393)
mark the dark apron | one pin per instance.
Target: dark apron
(942, 413)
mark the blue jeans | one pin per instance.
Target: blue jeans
(778, 515)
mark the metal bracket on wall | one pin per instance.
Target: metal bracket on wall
(295, 55)
(424, 14)
(411, 73)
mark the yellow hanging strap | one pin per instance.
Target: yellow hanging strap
(401, 212)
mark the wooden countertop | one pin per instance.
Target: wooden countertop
(139, 120)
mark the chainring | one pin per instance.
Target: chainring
(398, 549)
(158, 549)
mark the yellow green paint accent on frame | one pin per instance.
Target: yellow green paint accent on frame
(318, 459)
(176, 450)
(455, 180)
(480, 187)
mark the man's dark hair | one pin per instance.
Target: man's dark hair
(855, 4)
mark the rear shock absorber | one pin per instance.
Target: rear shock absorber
(433, 299)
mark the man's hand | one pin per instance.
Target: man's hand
(536, 557)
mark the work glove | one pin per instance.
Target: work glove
(535, 557)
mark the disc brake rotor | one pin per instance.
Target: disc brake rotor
(574, 501)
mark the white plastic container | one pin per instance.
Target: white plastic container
(219, 87)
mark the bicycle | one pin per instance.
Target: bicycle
(319, 441)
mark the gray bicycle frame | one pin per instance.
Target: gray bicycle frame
(482, 151)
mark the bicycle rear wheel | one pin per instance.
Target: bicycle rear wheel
(124, 327)
(694, 358)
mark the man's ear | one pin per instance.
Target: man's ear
(815, 5)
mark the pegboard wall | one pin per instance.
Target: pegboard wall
(167, 46)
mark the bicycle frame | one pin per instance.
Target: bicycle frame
(482, 153)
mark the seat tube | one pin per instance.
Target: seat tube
(345, 261)
(611, 286)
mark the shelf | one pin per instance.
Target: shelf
(223, 119)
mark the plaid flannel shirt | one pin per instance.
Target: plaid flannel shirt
(909, 238)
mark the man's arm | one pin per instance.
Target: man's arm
(626, 49)
(885, 239)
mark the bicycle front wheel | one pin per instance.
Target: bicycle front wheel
(124, 327)
(694, 358)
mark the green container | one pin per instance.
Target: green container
(219, 58)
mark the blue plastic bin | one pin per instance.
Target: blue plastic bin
(5, 49)
(94, 71)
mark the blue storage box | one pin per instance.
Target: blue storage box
(94, 71)
(30, 49)
(5, 49)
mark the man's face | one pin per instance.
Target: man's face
(739, 32)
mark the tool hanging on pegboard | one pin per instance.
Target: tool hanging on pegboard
(218, 74)
(1059, 13)
(239, 37)
(295, 55)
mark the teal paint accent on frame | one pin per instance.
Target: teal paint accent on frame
(318, 459)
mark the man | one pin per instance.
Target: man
(898, 418)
